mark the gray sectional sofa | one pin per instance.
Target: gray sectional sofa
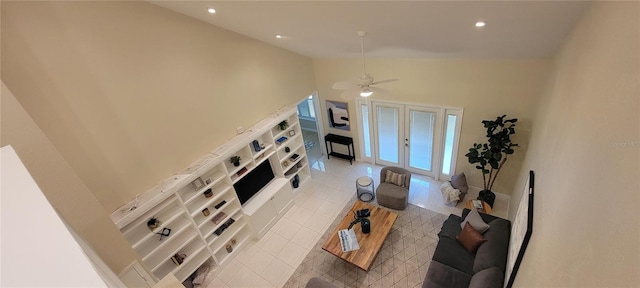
(453, 266)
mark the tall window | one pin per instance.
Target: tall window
(449, 140)
(306, 109)
(365, 127)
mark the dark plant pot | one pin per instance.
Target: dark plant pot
(237, 163)
(487, 196)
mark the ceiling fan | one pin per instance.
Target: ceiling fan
(363, 86)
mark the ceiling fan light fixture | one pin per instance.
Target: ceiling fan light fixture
(366, 92)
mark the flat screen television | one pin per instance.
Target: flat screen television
(254, 181)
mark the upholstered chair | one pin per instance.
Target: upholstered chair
(393, 191)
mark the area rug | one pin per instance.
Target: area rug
(402, 262)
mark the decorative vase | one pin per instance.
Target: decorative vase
(487, 196)
(365, 224)
(208, 193)
(236, 163)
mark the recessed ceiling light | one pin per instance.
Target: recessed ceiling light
(279, 36)
(480, 24)
(211, 10)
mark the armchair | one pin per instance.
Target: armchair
(393, 192)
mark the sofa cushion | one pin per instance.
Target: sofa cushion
(476, 221)
(449, 252)
(395, 178)
(493, 253)
(443, 276)
(470, 238)
(451, 227)
(488, 278)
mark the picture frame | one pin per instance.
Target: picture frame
(208, 181)
(197, 184)
(292, 133)
(338, 115)
(521, 230)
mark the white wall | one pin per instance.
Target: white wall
(130, 92)
(585, 150)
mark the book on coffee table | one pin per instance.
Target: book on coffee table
(348, 240)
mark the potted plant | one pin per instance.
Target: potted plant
(153, 223)
(490, 157)
(235, 160)
(283, 125)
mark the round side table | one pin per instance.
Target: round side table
(365, 189)
(486, 209)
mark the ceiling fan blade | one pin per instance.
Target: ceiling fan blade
(350, 94)
(379, 92)
(343, 85)
(384, 81)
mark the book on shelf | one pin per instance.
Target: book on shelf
(218, 218)
(241, 171)
(281, 140)
(224, 226)
(220, 204)
(178, 258)
(477, 203)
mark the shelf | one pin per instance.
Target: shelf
(178, 205)
(222, 241)
(191, 194)
(217, 194)
(189, 266)
(290, 176)
(161, 253)
(242, 238)
(177, 221)
(136, 230)
(213, 212)
(230, 215)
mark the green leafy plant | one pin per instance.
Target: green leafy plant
(491, 156)
(283, 125)
(234, 159)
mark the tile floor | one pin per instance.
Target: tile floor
(270, 261)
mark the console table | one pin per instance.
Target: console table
(329, 139)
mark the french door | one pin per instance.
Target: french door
(420, 139)
(406, 136)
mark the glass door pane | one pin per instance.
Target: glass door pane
(388, 128)
(421, 127)
(365, 128)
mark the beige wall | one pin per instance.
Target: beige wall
(585, 153)
(484, 88)
(130, 92)
(62, 187)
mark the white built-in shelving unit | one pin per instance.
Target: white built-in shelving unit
(179, 201)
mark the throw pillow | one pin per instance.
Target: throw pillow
(460, 182)
(394, 178)
(470, 238)
(476, 221)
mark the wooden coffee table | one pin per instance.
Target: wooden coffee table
(381, 222)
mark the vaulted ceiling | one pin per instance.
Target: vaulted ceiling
(397, 29)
